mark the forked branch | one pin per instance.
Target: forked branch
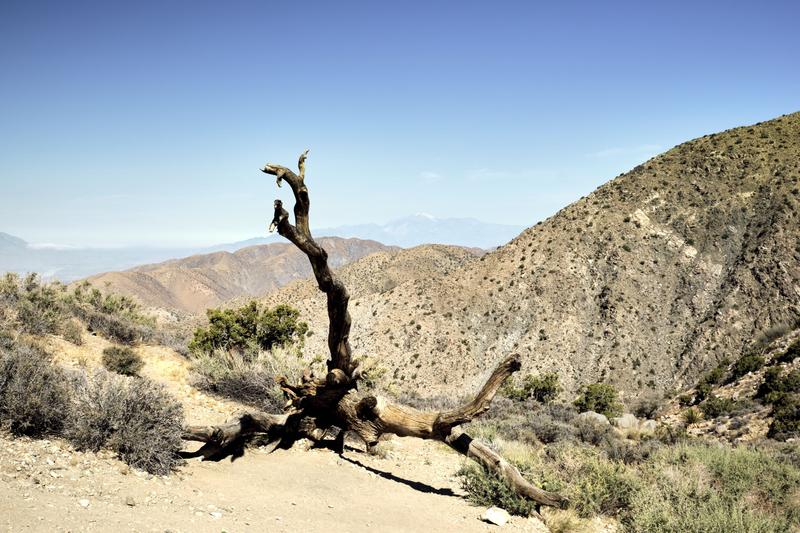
(317, 405)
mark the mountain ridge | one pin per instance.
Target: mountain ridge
(644, 283)
(70, 263)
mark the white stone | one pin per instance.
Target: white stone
(648, 426)
(626, 421)
(496, 516)
(83, 503)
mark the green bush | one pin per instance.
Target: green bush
(122, 360)
(785, 416)
(135, 418)
(33, 394)
(775, 382)
(115, 317)
(706, 384)
(601, 398)
(698, 488)
(485, 488)
(691, 416)
(750, 362)
(716, 406)
(543, 388)
(647, 407)
(40, 309)
(249, 328)
(791, 353)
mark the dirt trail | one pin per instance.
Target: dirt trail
(48, 486)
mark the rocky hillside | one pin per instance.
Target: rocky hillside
(651, 279)
(195, 283)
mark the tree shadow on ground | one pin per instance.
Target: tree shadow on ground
(416, 485)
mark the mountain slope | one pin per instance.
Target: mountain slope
(653, 277)
(195, 283)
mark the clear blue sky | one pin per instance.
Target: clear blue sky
(146, 123)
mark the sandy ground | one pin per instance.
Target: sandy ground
(45, 485)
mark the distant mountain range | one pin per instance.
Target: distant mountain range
(72, 263)
(410, 231)
(193, 284)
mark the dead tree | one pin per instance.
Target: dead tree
(315, 406)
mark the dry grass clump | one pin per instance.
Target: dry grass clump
(122, 360)
(248, 378)
(133, 417)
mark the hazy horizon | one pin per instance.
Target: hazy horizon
(147, 123)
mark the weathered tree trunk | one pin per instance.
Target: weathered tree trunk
(316, 405)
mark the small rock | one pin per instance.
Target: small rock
(496, 516)
(648, 426)
(83, 503)
(130, 502)
(626, 421)
(216, 515)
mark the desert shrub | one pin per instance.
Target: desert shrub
(791, 353)
(250, 378)
(765, 338)
(484, 487)
(667, 434)
(548, 429)
(775, 382)
(716, 375)
(691, 416)
(7, 339)
(680, 487)
(630, 452)
(9, 288)
(123, 330)
(706, 384)
(785, 416)
(40, 309)
(716, 406)
(33, 396)
(135, 418)
(701, 392)
(593, 483)
(115, 317)
(249, 328)
(122, 360)
(543, 388)
(72, 332)
(647, 407)
(562, 412)
(592, 431)
(601, 398)
(701, 488)
(750, 362)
